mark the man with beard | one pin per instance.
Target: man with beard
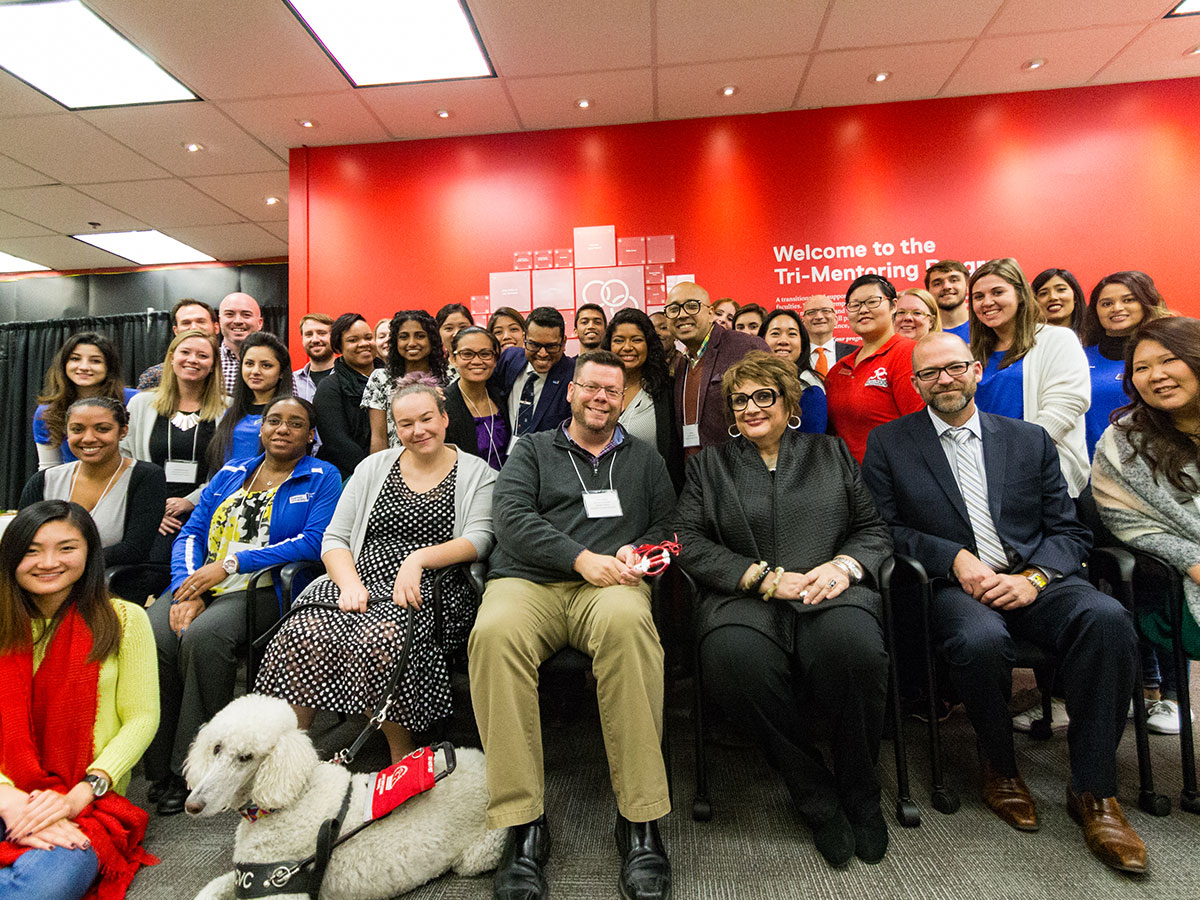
(947, 281)
(314, 335)
(980, 501)
(569, 507)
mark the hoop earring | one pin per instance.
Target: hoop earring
(790, 425)
(732, 431)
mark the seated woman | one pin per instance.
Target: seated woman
(405, 514)
(782, 538)
(787, 339)
(125, 498)
(346, 427)
(1146, 480)
(257, 512)
(172, 425)
(87, 366)
(77, 699)
(414, 345)
(508, 326)
(648, 407)
(266, 375)
(478, 417)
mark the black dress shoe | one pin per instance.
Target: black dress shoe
(157, 789)
(519, 875)
(173, 797)
(835, 840)
(645, 869)
(871, 838)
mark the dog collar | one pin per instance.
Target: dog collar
(254, 813)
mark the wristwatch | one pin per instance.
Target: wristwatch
(1036, 578)
(230, 565)
(99, 784)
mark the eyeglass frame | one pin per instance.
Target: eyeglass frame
(924, 376)
(536, 347)
(812, 313)
(919, 313)
(853, 306)
(681, 308)
(478, 354)
(592, 389)
(746, 398)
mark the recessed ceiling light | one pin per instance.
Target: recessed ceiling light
(729, 90)
(1030, 64)
(146, 248)
(583, 103)
(443, 113)
(880, 77)
(192, 147)
(306, 123)
(69, 53)
(10, 263)
(271, 201)
(385, 42)
(1186, 8)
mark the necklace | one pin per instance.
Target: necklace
(104, 493)
(269, 481)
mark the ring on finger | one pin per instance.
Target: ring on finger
(832, 583)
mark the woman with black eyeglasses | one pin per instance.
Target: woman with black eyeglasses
(478, 421)
(783, 540)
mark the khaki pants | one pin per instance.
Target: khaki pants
(522, 624)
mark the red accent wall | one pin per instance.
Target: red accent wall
(1090, 179)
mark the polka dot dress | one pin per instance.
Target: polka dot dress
(328, 659)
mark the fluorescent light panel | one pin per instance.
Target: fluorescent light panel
(10, 263)
(391, 42)
(1186, 8)
(66, 51)
(146, 248)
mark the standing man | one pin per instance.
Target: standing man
(662, 327)
(980, 501)
(947, 281)
(534, 378)
(186, 315)
(569, 507)
(240, 317)
(699, 405)
(590, 323)
(314, 335)
(820, 317)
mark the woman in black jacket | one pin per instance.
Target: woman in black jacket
(783, 539)
(478, 415)
(345, 426)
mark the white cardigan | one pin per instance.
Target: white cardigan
(136, 443)
(1057, 391)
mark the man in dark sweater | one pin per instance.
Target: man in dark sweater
(569, 508)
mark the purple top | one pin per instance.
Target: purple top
(492, 435)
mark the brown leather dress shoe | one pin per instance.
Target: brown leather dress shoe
(1008, 798)
(1107, 832)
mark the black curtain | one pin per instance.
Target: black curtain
(26, 350)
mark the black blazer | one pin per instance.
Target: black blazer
(668, 437)
(552, 408)
(342, 423)
(841, 349)
(733, 513)
(462, 432)
(914, 488)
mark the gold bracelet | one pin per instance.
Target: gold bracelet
(778, 573)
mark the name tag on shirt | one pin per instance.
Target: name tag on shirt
(691, 435)
(298, 498)
(180, 471)
(601, 504)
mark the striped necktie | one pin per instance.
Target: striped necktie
(525, 409)
(974, 493)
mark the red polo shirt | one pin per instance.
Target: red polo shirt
(875, 391)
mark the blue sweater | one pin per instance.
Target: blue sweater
(1108, 393)
(300, 513)
(813, 411)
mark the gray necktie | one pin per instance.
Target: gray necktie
(971, 484)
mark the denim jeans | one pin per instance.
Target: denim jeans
(43, 874)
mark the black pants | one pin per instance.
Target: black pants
(1093, 639)
(839, 661)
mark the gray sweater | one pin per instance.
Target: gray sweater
(541, 526)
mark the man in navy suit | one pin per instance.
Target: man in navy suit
(979, 500)
(534, 378)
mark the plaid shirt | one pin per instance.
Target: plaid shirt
(230, 368)
(617, 438)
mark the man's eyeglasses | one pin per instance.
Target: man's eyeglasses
(536, 347)
(869, 303)
(593, 389)
(293, 424)
(763, 399)
(481, 355)
(933, 373)
(691, 307)
(813, 313)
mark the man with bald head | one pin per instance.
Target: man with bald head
(239, 317)
(981, 502)
(711, 349)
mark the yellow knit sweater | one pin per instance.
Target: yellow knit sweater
(126, 697)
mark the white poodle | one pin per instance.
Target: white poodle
(253, 755)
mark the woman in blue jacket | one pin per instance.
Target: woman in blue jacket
(254, 513)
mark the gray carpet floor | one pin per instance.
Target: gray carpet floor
(753, 849)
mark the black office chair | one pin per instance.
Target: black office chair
(908, 814)
(137, 582)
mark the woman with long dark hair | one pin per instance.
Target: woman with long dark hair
(266, 375)
(414, 345)
(87, 365)
(1060, 299)
(78, 703)
(787, 339)
(346, 432)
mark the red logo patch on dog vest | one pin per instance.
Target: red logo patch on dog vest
(411, 776)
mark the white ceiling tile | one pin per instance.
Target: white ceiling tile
(762, 85)
(248, 193)
(994, 64)
(698, 31)
(1158, 52)
(61, 253)
(1024, 16)
(231, 242)
(615, 97)
(526, 37)
(65, 210)
(160, 133)
(162, 203)
(13, 174)
(843, 77)
(72, 151)
(19, 99)
(279, 229)
(869, 23)
(12, 226)
(478, 106)
(340, 119)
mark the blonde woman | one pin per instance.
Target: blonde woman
(916, 314)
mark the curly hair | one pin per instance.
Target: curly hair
(765, 368)
(59, 391)
(656, 377)
(396, 364)
(1144, 291)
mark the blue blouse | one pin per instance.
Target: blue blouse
(245, 441)
(1108, 393)
(1001, 391)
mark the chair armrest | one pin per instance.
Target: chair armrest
(475, 572)
(1115, 567)
(293, 571)
(911, 566)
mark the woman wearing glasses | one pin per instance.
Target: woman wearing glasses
(916, 314)
(788, 612)
(478, 421)
(874, 385)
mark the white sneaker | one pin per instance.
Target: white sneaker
(1162, 717)
(1059, 719)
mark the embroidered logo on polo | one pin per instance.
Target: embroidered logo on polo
(878, 379)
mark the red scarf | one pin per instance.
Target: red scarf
(47, 731)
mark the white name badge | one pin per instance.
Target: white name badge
(691, 435)
(601, 504)
(180, 471)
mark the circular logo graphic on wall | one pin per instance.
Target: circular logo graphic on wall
(612, 293)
